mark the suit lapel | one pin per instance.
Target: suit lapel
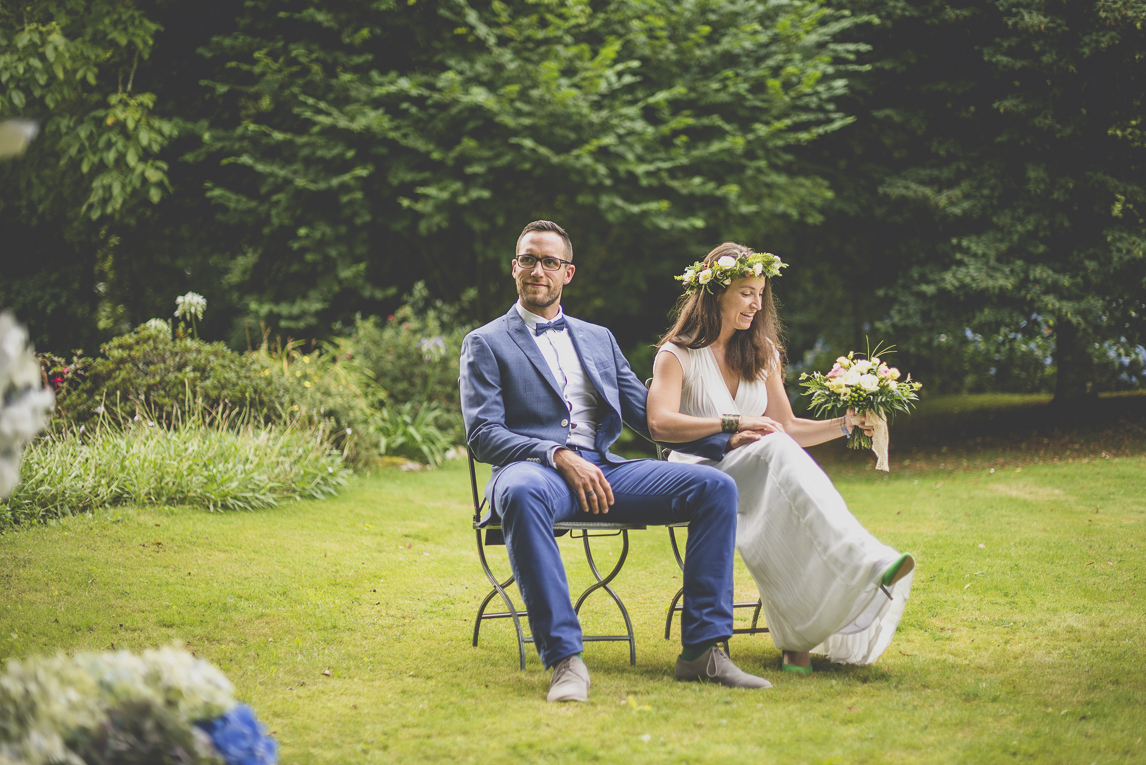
(524, 339)
(585, 350)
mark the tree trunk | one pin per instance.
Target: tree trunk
(1074, 378)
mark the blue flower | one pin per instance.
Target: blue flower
(241, 738)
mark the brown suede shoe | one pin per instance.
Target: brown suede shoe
(570, 681)
(714, 666)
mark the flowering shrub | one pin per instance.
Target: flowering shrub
(162, 706)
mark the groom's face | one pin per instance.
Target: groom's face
(540, 290)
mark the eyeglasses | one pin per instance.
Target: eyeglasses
(549, 264)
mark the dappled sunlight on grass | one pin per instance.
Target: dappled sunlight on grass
(1022, 639)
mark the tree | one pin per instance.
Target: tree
(72, 67)
(999, 173)
(372, 146)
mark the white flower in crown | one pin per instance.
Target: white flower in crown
(730, 267)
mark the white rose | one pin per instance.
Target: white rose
(862, 365)
(852, 377)
(688, 275)
(705, 276)
(726, 262)
(893, 373)
(870, 383)
(892, 384)
(758, 269)
(843, 362)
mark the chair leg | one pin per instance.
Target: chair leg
(511, 609)
(603, 583)
(673, 608)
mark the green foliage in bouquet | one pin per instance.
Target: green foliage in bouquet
(866, 384)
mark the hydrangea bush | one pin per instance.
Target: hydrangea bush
(162, 706)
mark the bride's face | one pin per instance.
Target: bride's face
(740, 302)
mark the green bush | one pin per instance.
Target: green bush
(146, 371)
(411, 431)
(412, 357)
(240, 464)
(325, 385)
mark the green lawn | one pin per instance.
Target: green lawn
(1022, 640)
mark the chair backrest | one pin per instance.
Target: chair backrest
(662, 453)
(479, 500)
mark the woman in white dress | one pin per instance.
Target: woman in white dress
(828, 586)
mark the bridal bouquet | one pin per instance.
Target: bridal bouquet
(868, 385)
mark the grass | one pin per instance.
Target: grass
(1022, 641)
(230, 465)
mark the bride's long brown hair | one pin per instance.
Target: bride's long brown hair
(750, 352)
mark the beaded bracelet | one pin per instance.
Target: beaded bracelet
(729, 423)
(844, 426)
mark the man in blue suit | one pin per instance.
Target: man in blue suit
(544, 396)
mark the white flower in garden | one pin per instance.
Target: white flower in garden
(24, 401)
(191, 304)
(705, 276)
(160, 326)
(726, 262)
(870, 383)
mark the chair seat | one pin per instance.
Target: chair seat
(578, 526)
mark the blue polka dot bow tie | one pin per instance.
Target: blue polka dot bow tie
(558, 325)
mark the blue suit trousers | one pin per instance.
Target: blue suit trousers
(530, 498)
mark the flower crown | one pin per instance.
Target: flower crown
(726, 268)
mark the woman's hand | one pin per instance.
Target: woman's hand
(762, 425)
(861, 421)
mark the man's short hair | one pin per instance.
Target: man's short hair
(548, 225)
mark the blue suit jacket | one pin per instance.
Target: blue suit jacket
(513, 407)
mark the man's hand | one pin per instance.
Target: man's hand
(742, 438)
(586, 480)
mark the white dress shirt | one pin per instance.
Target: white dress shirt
(581, 399)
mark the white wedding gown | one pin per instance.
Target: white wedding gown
(816, 567)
